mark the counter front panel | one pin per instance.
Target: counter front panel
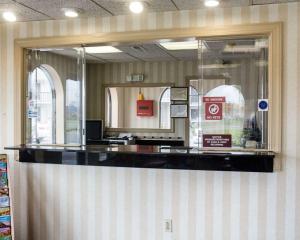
(138, 156)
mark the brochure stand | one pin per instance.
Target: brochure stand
(6, 232)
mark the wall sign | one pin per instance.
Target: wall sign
(213, 108)
(179, 93)
(179, 111)
(263, 105)
(32, 109)
(144, 108)
(217, 140)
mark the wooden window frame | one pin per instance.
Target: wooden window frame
(272, 30)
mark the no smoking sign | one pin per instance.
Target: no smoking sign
(213, 108)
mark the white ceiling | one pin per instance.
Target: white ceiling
(150, 52)
(31, 10)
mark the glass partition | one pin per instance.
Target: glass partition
(229, 97)
(55, 82)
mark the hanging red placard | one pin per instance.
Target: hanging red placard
(144, 108)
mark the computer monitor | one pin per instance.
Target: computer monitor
(94, 130)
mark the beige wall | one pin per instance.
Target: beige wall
(77, 202)
(168, 72)
(126, 104)
(65, 67)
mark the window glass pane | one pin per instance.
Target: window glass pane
(54, 96)
(41, 107)
(73, 111)
(165, 102)
(232, 80)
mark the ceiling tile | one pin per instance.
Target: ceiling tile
(196, 4)
(118, 7)
(114, 57)
(23, 13)
(187, 55)
(30, 10)
(147, 51)
(53, 8)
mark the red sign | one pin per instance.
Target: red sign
(213, 140)
(213, 108)
(144, 108)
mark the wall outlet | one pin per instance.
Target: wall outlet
(168, 225)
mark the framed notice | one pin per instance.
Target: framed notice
(179, 94)
(217, 140)
(179, 111)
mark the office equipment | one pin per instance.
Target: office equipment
(94, 130)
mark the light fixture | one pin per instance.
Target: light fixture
(241, 49)
(219, 66)
(262, 43)
(9, 16)
(71, 12)
(102, 49)
(187, 45)
(136, 7)
(211, 3)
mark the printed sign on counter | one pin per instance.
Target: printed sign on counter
(213, 108)
(214, 140)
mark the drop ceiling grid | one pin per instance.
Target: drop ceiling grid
(53, 8)
(38, 10)
(23, 13)
(122, 7)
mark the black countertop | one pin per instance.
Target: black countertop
(148, 156)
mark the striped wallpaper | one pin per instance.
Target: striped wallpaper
(77, 202)
(128, 104)
(173, 72)
(66, 67)
(168, 72)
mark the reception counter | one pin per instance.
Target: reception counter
(139, 156)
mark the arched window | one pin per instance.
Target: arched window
(164, 109)
(108, 114)
(112, 108)
(194, 116)
(45, 109)
(234, 113)
(233, 118)
(42, 106)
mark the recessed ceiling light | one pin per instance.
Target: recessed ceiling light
(9, 16)
(211, 3)
(102, 49)
(136, 7)
(221, 66)
(241, 49)
(71, 12)
(188, 45)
